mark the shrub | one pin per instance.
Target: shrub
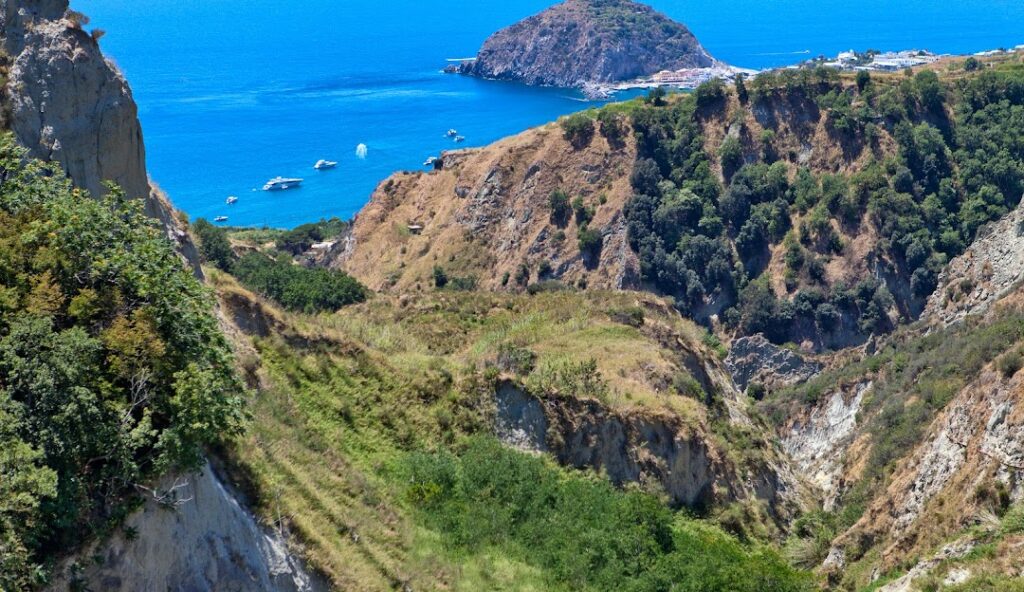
(687, 386)
(558, 201)
(590, 242)
(632, 316)
(113, 368)
(731, 155)
(214, 246)
(298, 288)
(578, 129)
(1010, 363)
(583, 213)
(710, 93)
(583, 532)
(612, 127)
(515, 359)
(440, 277)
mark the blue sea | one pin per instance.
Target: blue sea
(233, 93)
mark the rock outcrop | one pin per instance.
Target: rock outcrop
(754, 359)
(990, 268)
(635, 446)
(487, 213)
(66, 102)
(197, 537)
(819, 441)
(588, 41)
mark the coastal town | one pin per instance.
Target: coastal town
(847, 61)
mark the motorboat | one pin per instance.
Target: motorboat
(323, 165)
(430, 161)
(460, 139)
(231, 200)
(220, 219)
(452, 133)
(282, 183)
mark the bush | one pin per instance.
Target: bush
(515, 359)
(440, 277)
(214, 246)
(590, 242)
(558, 201)
(113, 367)
(1010, 363)
(612, 127)
(582, 532)
(731, 155)
(710, 93)
(578, 129)
(298, 288)
(687, 386)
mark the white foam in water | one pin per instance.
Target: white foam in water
(361, 151)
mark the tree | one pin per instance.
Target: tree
(972, 64)
(741, 88)
(612, 127)
(440, 277)
(558, 202)
(112, 363)
(731, 156)
(863, 80)
(578, 129)
(590, 242)
(214, 246)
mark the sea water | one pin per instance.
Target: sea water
(234, 93)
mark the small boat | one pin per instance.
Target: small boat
(460, 139)
(231, 200)
(452, 133)
(281, 183)
(220, 219)
(430, 161)
(323, 165)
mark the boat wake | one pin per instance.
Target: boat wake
(784, 53)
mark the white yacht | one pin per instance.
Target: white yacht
(430, 161)
(231, 200)
(281, 183)
(323, 165)
(220, 219)
(452, 133)
(460, 139)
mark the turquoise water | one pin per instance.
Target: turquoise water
(233, 93)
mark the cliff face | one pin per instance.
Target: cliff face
(588, 41)
(487, 214)
(200, 538)
(68, 103)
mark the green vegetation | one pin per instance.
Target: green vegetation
(112, 367)
(558, 201)
(373, 426)
(301, 238)
(578, 129)
(959, 164)
(298, 288)
(214, 246)
(583, 533)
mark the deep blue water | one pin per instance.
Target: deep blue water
(232, 93)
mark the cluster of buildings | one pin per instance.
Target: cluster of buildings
(890, 61)
(693, 77)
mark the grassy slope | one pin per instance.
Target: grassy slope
(346, 400)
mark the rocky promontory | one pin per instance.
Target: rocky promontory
(579, 42)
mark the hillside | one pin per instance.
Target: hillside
(588, 41)
(377, 431)
(811, 207)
